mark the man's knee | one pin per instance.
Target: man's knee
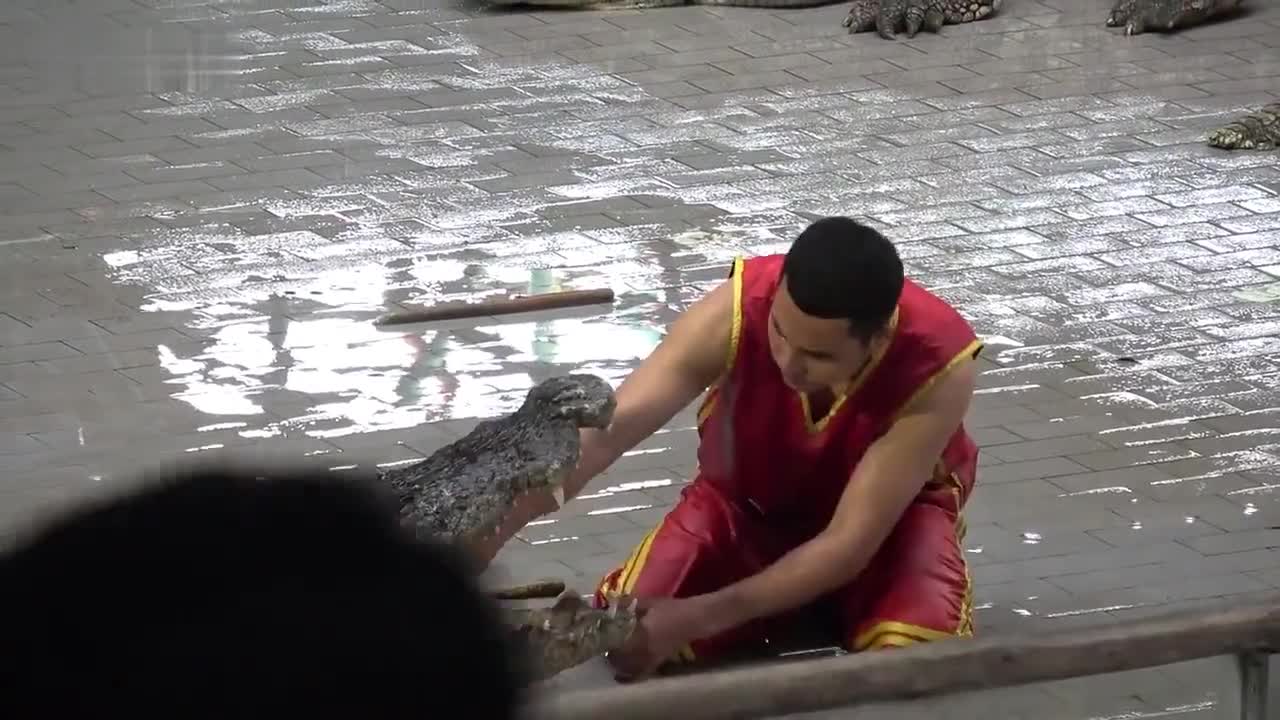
(918, 589)
(915, 610)
(685, 554)
(911, 626)
(667, 562)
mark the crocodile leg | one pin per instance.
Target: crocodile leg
(1138, 16)
(887, 17)
(964, 11)
(1256, 131)
(861, 17)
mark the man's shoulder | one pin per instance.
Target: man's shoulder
(926, 307)
(755, 279)
(931, 335)
(769, 265)
(702, 333)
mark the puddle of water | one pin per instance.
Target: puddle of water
(1259, 294)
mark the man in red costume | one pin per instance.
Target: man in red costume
(833, 465)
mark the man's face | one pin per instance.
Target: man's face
(812, 353)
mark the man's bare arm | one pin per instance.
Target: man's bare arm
(689, 359)
(889, 477)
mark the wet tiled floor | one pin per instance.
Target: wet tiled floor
(204, 204)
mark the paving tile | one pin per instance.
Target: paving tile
(1047, 448)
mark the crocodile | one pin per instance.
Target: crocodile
(888, 17)
(1138, 16)
(460, 494)
(567, 633)
(1258, 130)
(884, 16)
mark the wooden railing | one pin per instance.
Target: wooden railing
(1250, 631)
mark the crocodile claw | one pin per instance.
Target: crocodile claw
(887, 17)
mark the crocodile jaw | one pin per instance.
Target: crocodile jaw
(570, 632)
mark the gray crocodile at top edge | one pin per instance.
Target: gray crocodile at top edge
(887, 17)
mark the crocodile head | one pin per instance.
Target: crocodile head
(570, 402)
(586, 400)
(463, 491)
(568, 633)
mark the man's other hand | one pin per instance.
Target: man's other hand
(667, 625)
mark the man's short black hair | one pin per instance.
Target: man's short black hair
(841, 269)
(219, 593)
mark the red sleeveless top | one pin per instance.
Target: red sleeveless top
(757, 441)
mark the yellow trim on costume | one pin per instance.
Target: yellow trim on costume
(891, 639)
(608, 584)
(708, 403)
(918, 632)
(735, 332)
(854, 385)
(948, 478)
(626, 580)
(965, 628)
(968, 353)
(893, 633)
(966, 606)
(735, 339)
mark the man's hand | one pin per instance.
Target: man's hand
(666, 626)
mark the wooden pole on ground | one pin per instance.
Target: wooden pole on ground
(498, 306)
(538, 590)
(930, 669)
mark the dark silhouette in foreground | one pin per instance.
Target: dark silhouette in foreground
(216, 593)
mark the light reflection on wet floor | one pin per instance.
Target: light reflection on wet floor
(208, 202)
